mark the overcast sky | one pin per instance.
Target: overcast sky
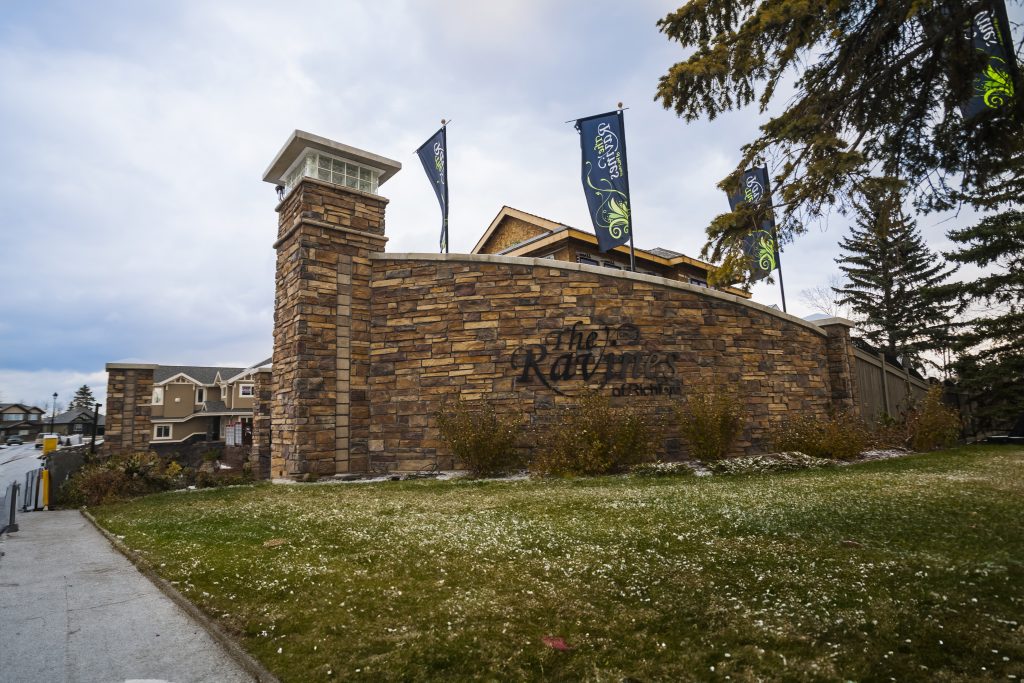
(135, 223)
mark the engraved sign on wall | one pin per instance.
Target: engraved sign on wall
(596, 357)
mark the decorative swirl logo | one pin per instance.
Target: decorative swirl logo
(995, 86)
(613, 212)
(765, 246)
(439, 159)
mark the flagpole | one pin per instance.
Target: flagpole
(778, 249)
(632, 252)
(444, 139)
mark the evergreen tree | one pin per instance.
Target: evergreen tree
(891, 276)
(991, 362)
(83, 399)
(878, 85)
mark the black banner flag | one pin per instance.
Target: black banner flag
(433, 155)
(990, 35)
(760, 245)
(605, 178)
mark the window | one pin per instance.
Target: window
(14, 417)
(200, 394)
(33, 417)
(333, 170)
(77, 428)
(162, 432)
(586, 260)
(158, 396)
(611, 264)
(246, 390)
(698, 282)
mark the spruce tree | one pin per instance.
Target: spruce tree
(83, 399)
(891, 276)
(991, 362)
(847, 88)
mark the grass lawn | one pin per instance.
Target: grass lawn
(907, 570)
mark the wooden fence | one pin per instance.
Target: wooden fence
(883, 388)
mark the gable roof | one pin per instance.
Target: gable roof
(69, 416)
(203, 374)
(23, 406)
(551, 228)
(535, 220)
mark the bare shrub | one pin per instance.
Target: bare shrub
(841, 436)
(478, 436)
(710, 421)
(932, 424)
(594, 438)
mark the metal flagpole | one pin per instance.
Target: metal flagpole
(782, 287)
(444, 139)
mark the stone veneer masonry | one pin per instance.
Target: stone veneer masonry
(320, 413)
(129, 390)
(368, 346)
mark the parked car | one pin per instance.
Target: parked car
(15, 441)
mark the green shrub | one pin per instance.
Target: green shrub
(593, 438)
(932, 424)
(770, 462)
(709, 422)
(478, 436)
(841, 436)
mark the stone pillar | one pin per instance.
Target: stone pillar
(259, 453)
(326, 233)
(128, 428)
(841, 364)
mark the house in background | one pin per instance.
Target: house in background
(518, 233)
(202, 403)
(75, 421)
(19, 419)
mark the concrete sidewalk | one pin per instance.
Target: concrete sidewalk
(74, 609)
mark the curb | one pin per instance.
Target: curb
(229, 644)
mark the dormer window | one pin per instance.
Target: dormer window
(200, 394)
(158, 396)
(332, 169)
(246, 390)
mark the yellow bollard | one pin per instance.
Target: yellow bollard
(46, 489)
(49, 444)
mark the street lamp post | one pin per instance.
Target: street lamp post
(54, 413)
(95, 424)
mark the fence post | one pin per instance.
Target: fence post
(885, 385)
(12, 525)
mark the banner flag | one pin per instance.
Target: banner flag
(993, 87)
(760, 245)
(605, 178)
(433, 155)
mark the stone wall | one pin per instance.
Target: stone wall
(259, 453)
(129, 392)
(531, 334)
(320, 413)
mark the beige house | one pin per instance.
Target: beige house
(518, 233)
(19, 419)
(198, 403)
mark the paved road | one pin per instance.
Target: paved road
(73, 609)
(15, 461)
